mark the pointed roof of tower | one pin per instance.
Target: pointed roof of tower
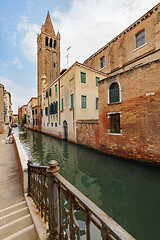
(48, 25)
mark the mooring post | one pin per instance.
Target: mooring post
(53, 200)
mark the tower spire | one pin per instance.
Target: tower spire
(48, 25)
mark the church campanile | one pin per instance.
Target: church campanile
(48, 59)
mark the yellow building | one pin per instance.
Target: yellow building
(72, 96)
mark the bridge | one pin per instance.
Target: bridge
(32, 202)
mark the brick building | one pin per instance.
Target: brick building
(48, 60)
(129, 97)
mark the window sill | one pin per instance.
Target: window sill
(101, 68)
(62, 110)
(139, 47)
(114, 103)
(71, 109)
(116, 134)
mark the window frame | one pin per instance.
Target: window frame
(96, 81)
(62, 104)
(120, 93)
(136, 35)
(55, 88)
(71, 102)
(104, 64)
(81, 78)
(97, 103)
(81, 102)
(111, 124)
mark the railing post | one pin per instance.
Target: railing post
(29, 177)
(53, 201)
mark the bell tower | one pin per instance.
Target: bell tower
(48, 59)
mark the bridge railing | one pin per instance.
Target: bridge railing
(46, 187)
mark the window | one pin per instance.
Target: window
(56, 88)
(56, 106)
(50, 92)
(47, 94)
(35, 111)
(97, 80)
(36, 121)
(115, 123)
(102, 62)
(46, 111)
(96, 103)
(41, 112)
(83, 102)
(55, 124)
(51, 124)
(54, 64)
(83, 77)
(47, 41)
(62, 106)
(50, 43)
(114, 95)
(33, 121)
(140, 39)
(55, 43)
(32, 112)
(72, 101)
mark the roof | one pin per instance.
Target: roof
(48, 25)
(146, 15)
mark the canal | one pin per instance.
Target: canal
(129, 192)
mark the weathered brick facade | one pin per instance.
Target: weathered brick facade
(48, 59)
(91, 130)
(139, 114)
(130, 126)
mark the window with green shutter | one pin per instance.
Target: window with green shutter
(46, 111)
(114, 93)
(97, 80)
(56, 107)
(47, 94)
(56, 88)
(83, 102)
(62, 106)
(83, 77)
(72, 101)
(50, 92)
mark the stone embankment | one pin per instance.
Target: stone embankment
(18, 217)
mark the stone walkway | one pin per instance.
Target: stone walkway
(10, 184)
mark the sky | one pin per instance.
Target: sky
(85, 25)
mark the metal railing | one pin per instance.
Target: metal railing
(49, 190)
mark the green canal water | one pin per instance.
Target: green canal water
(127, 191)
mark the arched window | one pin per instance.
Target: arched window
(50, 43)
(114, 93)
(47, 41)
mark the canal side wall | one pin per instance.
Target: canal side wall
(22, 162)
(88, 133)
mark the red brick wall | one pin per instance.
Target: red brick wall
(88, 133)
(140, 114)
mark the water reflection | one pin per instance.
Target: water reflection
(128, 192)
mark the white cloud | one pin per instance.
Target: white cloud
(17, 62)
(28, 42)
(19, 94)
(90, 24)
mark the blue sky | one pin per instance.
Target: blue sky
(86, 25)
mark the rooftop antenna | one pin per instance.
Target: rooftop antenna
(67, 56)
